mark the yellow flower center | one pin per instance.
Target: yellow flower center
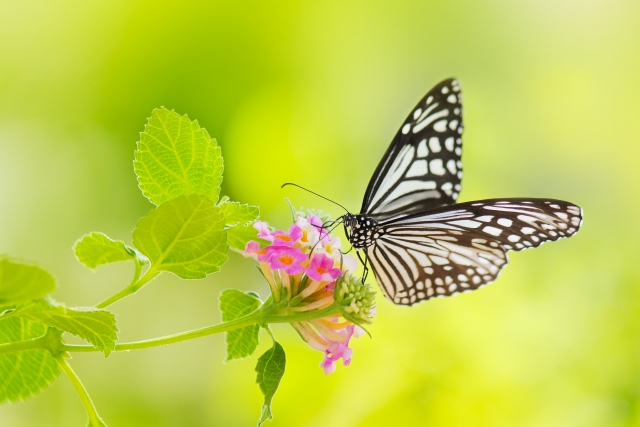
(286, 259)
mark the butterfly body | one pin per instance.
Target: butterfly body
(361, 230)
(418, 241)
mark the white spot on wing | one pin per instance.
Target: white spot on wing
(406, 128)
(492, 230)
(434, 144)
(451, 165)
(436, 167)
(418, 168)
(446, 187)
(449, 143)
(440, 126)
(423, 151)
(505, 222)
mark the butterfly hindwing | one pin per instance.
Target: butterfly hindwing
(463, 247)
(422, 169)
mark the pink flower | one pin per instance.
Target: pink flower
(334, 352)
(309, 280)
(263, 231)
(322, 270)
(252, 250)
(280, 238)
(317, 222)
(285, 258)
(310, 234)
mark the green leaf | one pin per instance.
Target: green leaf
(23, 374)
(234, 304)
(238, 236)
(270, 369)
(184, 236)
(97, 326)
(176, 157)
(237, 214)
(96, 249)
(20, 282)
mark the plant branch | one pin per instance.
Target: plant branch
(133, 287)
(261, 316)
(32, 344)
(92, 413)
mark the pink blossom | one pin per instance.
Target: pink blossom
(321, 269)
(337, 350)
(263, 231)
(309, 281)
(251, 250)
(310, 234)
(317, 222)
(285, 258)
(280, 238)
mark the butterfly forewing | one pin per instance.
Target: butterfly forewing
(422, 168)
(419, 242)
(463, 247)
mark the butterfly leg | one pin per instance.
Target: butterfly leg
(364, 264)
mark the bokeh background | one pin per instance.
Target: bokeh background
(312, 92)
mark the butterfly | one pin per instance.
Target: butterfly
(419, 243)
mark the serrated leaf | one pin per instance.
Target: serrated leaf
(176, 157)
(24, 374)
(184, 236)
(270, 369)
(97, 326)
(234, 304)
(238, 236)
(96, 249)
(237, 214)
(20, 282)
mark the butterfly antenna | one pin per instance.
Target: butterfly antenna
(313, 192)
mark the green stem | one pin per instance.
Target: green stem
(133, 287)
(260, 316)
(32, 344)
(332, 310)
(92, 413)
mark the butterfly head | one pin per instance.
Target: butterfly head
(360, 229)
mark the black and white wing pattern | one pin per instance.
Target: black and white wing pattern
(463, 247)
(421, 169)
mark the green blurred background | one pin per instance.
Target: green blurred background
(313, 92)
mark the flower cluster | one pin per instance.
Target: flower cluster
(307, 271)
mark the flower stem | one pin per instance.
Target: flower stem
(250, 319)
(92, 413)
(262, 316)
(133, 287)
